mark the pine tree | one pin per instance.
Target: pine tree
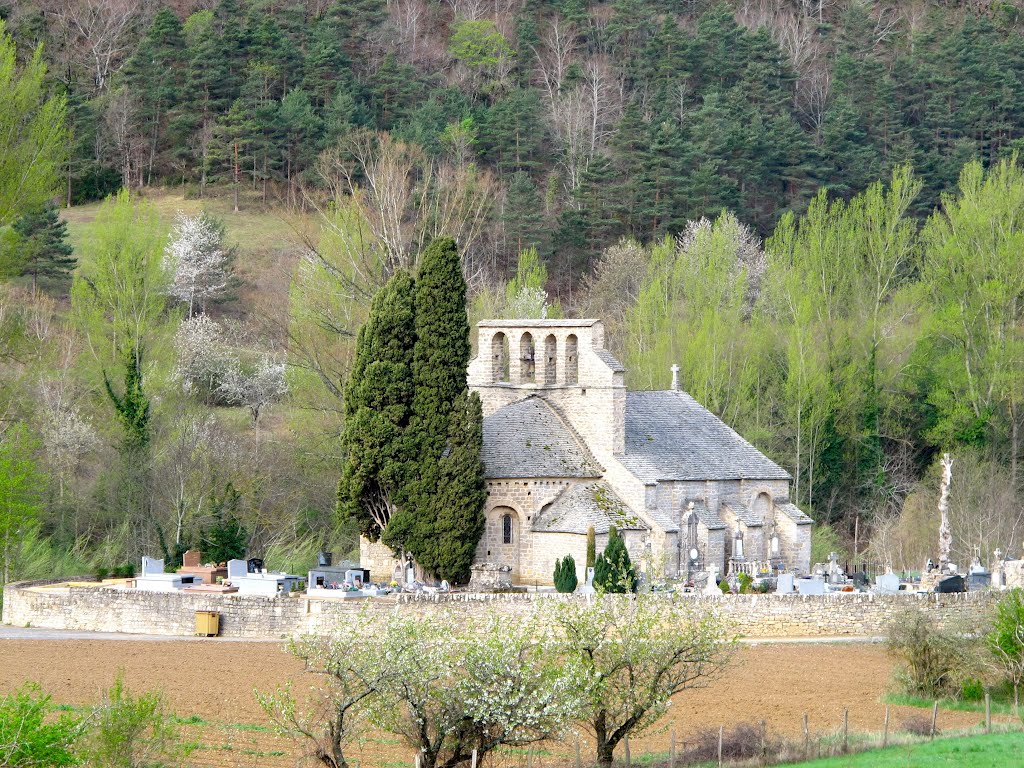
(45, 253)
(378, 406)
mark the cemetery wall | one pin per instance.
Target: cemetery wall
(173, 613)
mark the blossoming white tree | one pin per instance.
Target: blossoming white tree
(638, 652)
(198, 261)
(444, 689)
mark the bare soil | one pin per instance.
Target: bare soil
(214, 682)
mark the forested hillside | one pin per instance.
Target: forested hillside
(812, 206)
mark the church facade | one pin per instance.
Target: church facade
(567, 447)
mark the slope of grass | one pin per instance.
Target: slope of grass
(1001, 750)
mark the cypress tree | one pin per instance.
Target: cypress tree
(591, 547)
(45, 252)
(613, 571)
(378, 406)
(442, 520)
(565, 575)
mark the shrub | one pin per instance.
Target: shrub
(743, 742)
(724, 586)
(919, 725)
(613, 570)
(565, 575)
(1006, 640)
(129, 731)
(933, 663)
(745, 581)
(972, 689)
(30, 736)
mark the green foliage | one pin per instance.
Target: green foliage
(591, 546)
(31, 735)
(225, 538)
(44, 253)
(745, 582)
(442, 517)
(613, 570)
(133, 730)
(478, 44)
(21, 496)
(724, 587)
(33, 139)
(565, 575)
(379, 462)
(824, 541)
(1005, 640)
(932, 663)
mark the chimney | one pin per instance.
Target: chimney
(675, 378)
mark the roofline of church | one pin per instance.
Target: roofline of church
(522, 323)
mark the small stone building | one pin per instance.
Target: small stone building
(567, 447)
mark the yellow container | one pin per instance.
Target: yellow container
(207, 623)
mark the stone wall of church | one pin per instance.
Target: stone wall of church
(794, 543)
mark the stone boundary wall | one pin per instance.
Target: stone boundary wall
(173, 613)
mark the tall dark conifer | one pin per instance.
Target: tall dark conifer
(378, 407)
(45, 252)
(442, 520)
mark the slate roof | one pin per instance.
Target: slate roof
(742, 512)
(792, 511)
(529, 439)
(670, 436)
(609, 359)
(710, 519)
(583, 505)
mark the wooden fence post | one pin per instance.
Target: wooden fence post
(529, 758)
(416, 761)
(672, 750)
(885, 733)
(988, 713)
(846, 731)
(473, 762)
(579, 760)
(628, 761)
(807, 739)
(935, 716)
(721, 733)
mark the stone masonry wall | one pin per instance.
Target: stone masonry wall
(173, 613)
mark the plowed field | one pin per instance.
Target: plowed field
(213, 683)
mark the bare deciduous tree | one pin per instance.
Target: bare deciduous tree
(97, 34)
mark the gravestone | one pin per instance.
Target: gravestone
(711, 588)
(191, 559)
(151, 565)
(810, 586)
(887, 584)
(588, 587)
(785, 584)
(237, 569)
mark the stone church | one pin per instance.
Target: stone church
(567, 447)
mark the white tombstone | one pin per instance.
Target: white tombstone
(810, 586)
(237, 569)
(887, 584)
(785, 584)
(711, 588)
(151, 566)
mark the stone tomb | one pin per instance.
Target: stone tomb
(153, 579)
(208, 574)
(263, 584)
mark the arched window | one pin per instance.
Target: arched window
(499, 358)
(506, 529)
(550, 360)
(572, 365)
(527, 358)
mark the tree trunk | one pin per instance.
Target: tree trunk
(605, 748)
